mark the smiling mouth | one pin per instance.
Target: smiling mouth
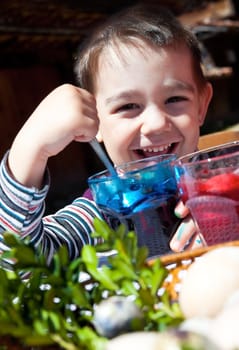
(154, 151)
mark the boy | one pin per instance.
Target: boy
(142, 91)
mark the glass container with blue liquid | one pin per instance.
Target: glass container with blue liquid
(142, 194)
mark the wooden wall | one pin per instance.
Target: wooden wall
(21, 89)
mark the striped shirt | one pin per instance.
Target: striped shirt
(22, 209)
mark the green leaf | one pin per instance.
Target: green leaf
(55, 320)
(103, 275)
(40, 327)
(129, 288)
(141, 256)
(159, 273)
(124, 268)
(25, 256)
(101, 229)
(12, 239)
(38, 340)
(89, 338)
(80, 297)
(63, 255)
(89, 256)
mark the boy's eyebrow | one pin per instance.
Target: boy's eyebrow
(176, 84)
(121, 95)
(172, 84)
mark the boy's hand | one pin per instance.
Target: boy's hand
(186, 236)
(68, 113)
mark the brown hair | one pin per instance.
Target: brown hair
(153, 24)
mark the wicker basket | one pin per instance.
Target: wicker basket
(178, 263)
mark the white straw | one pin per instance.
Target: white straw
(103, 156)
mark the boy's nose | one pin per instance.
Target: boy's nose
(155, 121)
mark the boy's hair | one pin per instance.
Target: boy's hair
(151, 24)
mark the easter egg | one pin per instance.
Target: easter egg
(209, 282)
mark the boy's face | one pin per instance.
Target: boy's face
(149, 103)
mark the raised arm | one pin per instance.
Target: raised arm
(68, 113)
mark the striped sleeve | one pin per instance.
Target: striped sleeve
(22, 209)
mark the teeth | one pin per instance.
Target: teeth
(157, 149)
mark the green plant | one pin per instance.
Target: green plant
(55, 303)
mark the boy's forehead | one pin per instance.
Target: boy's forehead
(121, 63)
(121, 55)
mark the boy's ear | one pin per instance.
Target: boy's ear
(99, 137)
(205, 99)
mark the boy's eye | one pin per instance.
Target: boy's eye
(128, 106)
(174, 99)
